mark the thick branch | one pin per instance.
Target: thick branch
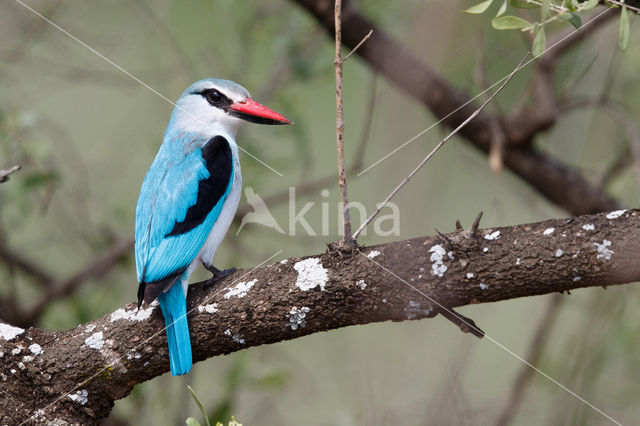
(104, 359)
(558, 183)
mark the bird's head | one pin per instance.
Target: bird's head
(213, 105)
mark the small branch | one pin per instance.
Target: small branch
(466, 325)
(620, 3)
(358, 46)
(15, 260)
(536, 347)
(565, 40)
(474, 226)
(4, 174)
(622, 117)
(440, 145)
(306, 188)
(443, 237)
(498, 139)
(94, 270)
(347, 239)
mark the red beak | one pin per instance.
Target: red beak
(256, 113)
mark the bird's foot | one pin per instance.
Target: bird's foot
(217, 273)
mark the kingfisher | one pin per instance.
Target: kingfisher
(188, 199)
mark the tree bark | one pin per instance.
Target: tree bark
(76, 375)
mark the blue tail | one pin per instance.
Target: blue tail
(174, 308)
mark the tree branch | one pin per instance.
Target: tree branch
(558, 183)
(101, 361)
(4, 174)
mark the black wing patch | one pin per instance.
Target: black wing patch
(219, 161)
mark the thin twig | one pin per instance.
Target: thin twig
(440, 145)
(347, 239)
(306, 188)
(358, 46)
(475, 225)
(96, 269)
(621, 3)
(443, 237)
(498, 139)
(536, 347)
(630, 156)
(15, 260)
(4, 174)
(466, 324)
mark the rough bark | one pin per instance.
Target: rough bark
(560, 184)
(101, 361)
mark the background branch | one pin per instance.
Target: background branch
(558, 183)
(4, 174)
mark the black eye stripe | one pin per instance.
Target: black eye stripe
(215, 98)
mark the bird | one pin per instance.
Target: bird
(188, 199)
(260, 213)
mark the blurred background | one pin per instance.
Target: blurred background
(85, 134)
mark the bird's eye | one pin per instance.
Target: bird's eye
(215, 96)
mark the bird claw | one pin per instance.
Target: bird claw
(218, 274)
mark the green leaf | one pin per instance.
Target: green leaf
(623, 39)
(539, 43)
(192, 422)
(544, 9)
(590, 4)
(573, 18)
(503, 9)
(522, 4)
(509, 23)
(479, 8)
(202, 410)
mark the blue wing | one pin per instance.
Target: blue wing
(178, 205)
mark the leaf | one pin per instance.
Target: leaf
(623, 39)
(204, 413)
(503, 9)
(572, 18)
(544, 9)
(509, 23)
(478, 8)
(192, 422)
(522, 4)
(539, 43)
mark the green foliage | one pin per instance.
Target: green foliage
(623, 39)
(538, 42)
(200, 406)
(509, 23)
(550, 10)
(193, 422)
(479, 8)
(238, 377)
